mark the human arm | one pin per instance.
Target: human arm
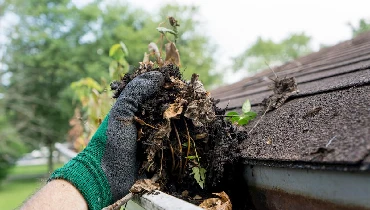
(56, 194)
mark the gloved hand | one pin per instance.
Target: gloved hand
(106, 169)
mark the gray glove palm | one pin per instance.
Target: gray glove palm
(106, 169)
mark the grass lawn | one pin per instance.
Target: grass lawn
(27, 170)
(13, 193)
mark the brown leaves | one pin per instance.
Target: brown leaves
(153, 49)
(221, 203)
(200, 110)
(172, 54)
(173, 111)
(144, 185)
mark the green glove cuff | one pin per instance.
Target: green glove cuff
(85, 173)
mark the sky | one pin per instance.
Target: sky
(234, 25)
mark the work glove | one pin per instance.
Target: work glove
(107, 168)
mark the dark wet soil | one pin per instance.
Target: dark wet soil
(194, 120)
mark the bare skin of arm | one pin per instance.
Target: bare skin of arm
(57, 194)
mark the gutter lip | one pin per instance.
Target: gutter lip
(159, 200)
(331, 166)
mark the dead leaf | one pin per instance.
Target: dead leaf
(164, 130)
(173, 21)
(197, 197)
(172, 54)
(201, 109)
(168, 85)
(140, 121)
(221, 203)
(153, 49)
(173, 110)
(177, 83)
(185, 193)
(144, 185)
(201, 136)
(139, 134)
(146, 58)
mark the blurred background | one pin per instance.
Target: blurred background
(56, 65)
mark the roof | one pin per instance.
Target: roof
(326, 123)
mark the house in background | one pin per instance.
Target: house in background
(313, 152)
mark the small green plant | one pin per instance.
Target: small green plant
(198, 171)
(199, 175)
(245, 117)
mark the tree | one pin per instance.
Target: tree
(266, 51)
(363, 26)
(55, 42)
(11, 146)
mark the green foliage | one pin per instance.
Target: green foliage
(11, 147)
(119, 65)
(199, 175)
(95, 98)
(244, 118)
(363, 26)
(266, 51)
(164, 30)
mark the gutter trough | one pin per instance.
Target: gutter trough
(287, 188)
(273, 188)
(279, 188)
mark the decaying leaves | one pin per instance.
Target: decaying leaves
(177, 83)
(144, 185)
(200, 110)
(174, 109)
(283, 89)
(201, 136)
(221, 203)
(172, 54)
(153, 49)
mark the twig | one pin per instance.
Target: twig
(180, 148)
(227, 116)
(160, 170)
(119, 203)
(195, 149)
(271, 69)
(268, 107)
(141, 122)
(173, 157)
(189, 145)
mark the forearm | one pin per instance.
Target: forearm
(56, 194)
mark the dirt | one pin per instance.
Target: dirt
(183, 113)
(283, 88)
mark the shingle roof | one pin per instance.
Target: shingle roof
(333, 105)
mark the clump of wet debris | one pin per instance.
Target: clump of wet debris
(283, 88)
(183, 137)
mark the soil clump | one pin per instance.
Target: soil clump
(184, 137)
